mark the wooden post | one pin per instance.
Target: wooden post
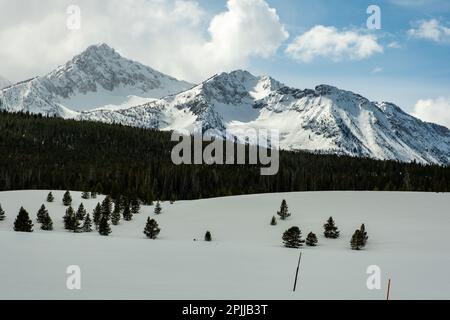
(296, 273)
(388, 289)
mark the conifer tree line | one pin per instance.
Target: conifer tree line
(58, 154)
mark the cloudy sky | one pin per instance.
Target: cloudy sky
(299, 42)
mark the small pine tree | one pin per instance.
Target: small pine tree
(331, 230)
(357, 241)
(115, 216)
(208, 236)
(151, 229)
(127, 215)
(284, 212)
(273, 222)
(42, 212)
(364, 233)
(292, 238)
(47, 223)
(158, 208)
(87, 225)
(135, 206)
(104, 229)
(107, 207)
(81, 212)
(23, 222)
(69, 218)
(93, 194)
(50, 197)
(2, 213)
(85, 195)
(67, 199)
(311, 240)
(97, 215)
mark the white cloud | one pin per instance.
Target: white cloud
(394, 45)
(434, 110)
(430, 30)
(328, 42)
(377, 70)
(177, 37)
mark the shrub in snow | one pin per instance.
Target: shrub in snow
(85, 195)
(331, 230)
(50, 197)
(284, 212)
(158, 208)
(23, 222)
(208, 236)
(292, 238)
(311, 240)
(67, 199)
(151, 229)
(273, 222)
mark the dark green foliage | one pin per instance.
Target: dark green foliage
(292, 238)
(151, 229)
(47, 223)
(93, 195)
(69, 218)
(42, 212)
(158, 208)
(107, 207)
(82, 155)
(359, 238)
(103, 228)
(87, 225)
(85, 195)
(127, 215)
(135, 206)
(81, 212)
(115, 216)
(208, 236)
(50, 197)
(2, 213)
(97, 214)
(273, 222)
(67, 198)
(23, 222)
(284, 212)
(331, 230)
(311, 240)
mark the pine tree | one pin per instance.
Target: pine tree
(50, 197)
(151, 229)
(104, 229)
(292, 238)
(115, 216)
(311, 240)
(81, 212)
(331, 231)
(42, 212)
(127, 215)
(357, 241)
(135, 206)
(85, 195)
(364, 233)
(47, 223)
(158, 208)
(23, 222)
(97, 215)
(106, 207)
(67, 199)
(93, 194)
(2, 213)
(87, 225)
(69, 218)
(208, 236)
(273, 222)
(283, 213)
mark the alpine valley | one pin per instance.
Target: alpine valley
(101, 85)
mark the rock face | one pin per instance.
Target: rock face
(98, 77)
(101, 85)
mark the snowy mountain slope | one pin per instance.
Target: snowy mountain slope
(245, 260)
(99, 77)
(4, 82)
(325, 119)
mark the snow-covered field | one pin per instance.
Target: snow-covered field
(408, 240)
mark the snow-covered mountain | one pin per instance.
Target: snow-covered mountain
(99, 77)
(325, 119)
(4, 82)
